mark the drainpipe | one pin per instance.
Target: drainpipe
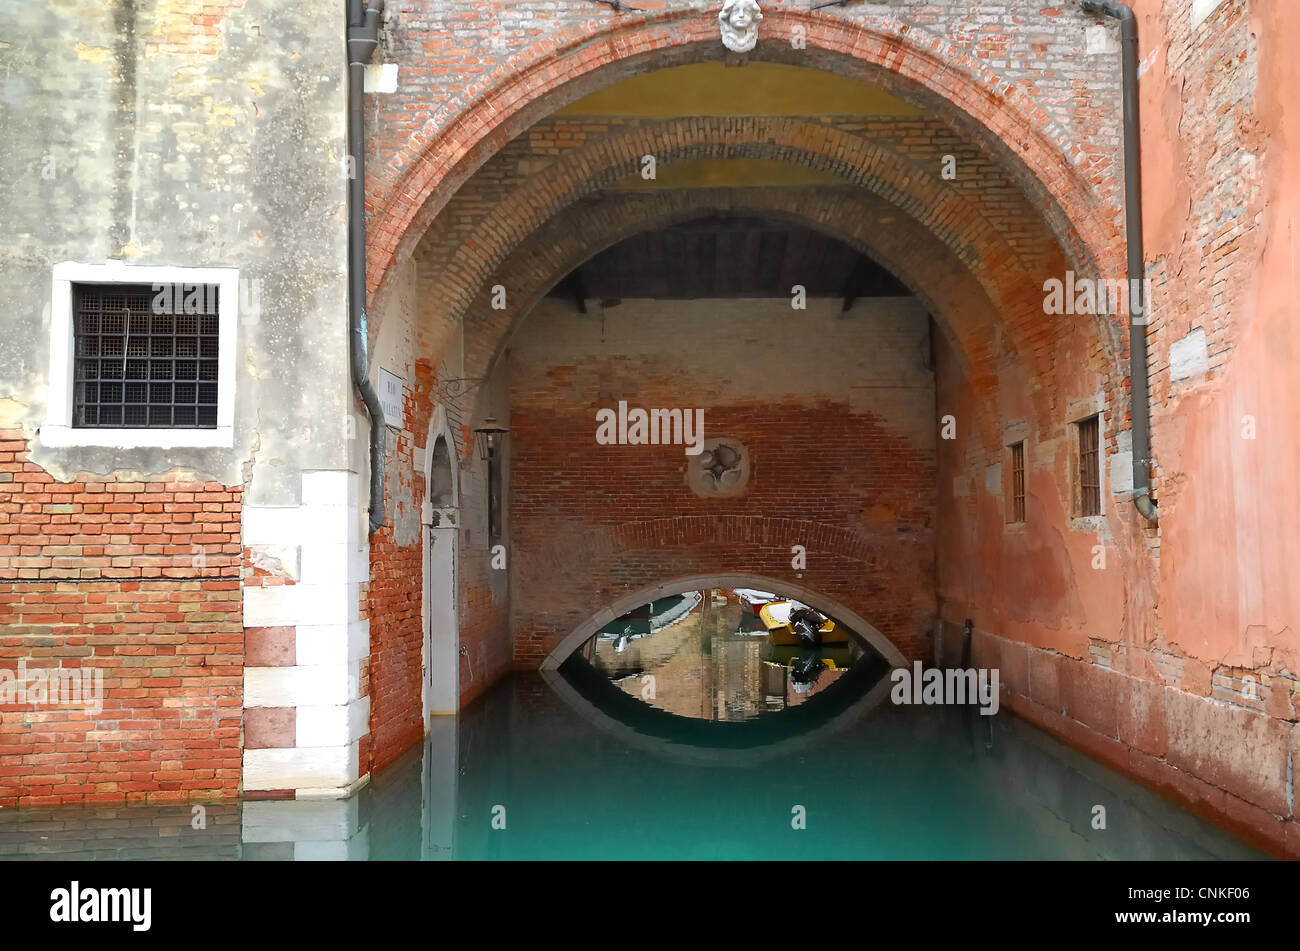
(1139, 400)
(363, 37)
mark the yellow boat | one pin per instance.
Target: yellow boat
(833, 657)
(776, 616)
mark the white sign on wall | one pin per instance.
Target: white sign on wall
(390, 398)
(1201, 10)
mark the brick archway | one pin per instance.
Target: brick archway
(661, 545)
(963, 221)
(848, 573)
(978, 267)
(960, 303)
(617, 607)
(419, 179)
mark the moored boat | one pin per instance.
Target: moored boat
(778, 615)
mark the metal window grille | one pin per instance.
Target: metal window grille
(1018, 482)
(1089, 467)
(145, 358)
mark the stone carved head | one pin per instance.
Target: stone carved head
(721, 470)
(739, 22)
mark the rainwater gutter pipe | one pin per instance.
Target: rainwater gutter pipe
(1139, 399)
(363, 37)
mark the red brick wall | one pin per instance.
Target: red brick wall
(393, 602)
(847, 473)
(981, 215)
(455, 110)
(486, 638)
(393, 599)
(448, 173)
(140, 580)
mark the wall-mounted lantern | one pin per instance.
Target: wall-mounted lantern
(489, 438)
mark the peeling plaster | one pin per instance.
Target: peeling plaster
(163, 104)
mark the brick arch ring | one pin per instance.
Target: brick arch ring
(620, 606)
(566, 242)
(414, 186)
(955, 218)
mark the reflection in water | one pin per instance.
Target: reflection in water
(724, 654)
(886, 782)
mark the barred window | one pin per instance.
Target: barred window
(1089, 475)
(1018, 482)
(146, 356)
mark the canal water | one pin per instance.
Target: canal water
(683, 733)
(881, 783)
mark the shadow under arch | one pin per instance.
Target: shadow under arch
(959, 303)
(957, 218)
(919, 286)
(616, 609)
(952, 226)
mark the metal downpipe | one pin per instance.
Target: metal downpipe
(363, 37)
(1139, 398)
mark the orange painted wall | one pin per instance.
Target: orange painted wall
(1230, 566)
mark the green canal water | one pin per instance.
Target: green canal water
(567, 768)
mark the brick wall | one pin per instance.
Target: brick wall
(839, 433)
(1172, 656)
(488, 207)
(475, 78)
(119, 107)
(393, 602)
(486, 636)
(1218, 757)
(140, 581)
(434, 380)
(981, 215)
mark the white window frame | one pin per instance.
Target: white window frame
(57, 430)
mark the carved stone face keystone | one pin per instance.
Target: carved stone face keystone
(721, 470)
(738, 20)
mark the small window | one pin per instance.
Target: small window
(1088, 477)
(146, 356)
(143, 356)
(1017, 482)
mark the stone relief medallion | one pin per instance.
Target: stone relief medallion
(721, 470)
(739, 22)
